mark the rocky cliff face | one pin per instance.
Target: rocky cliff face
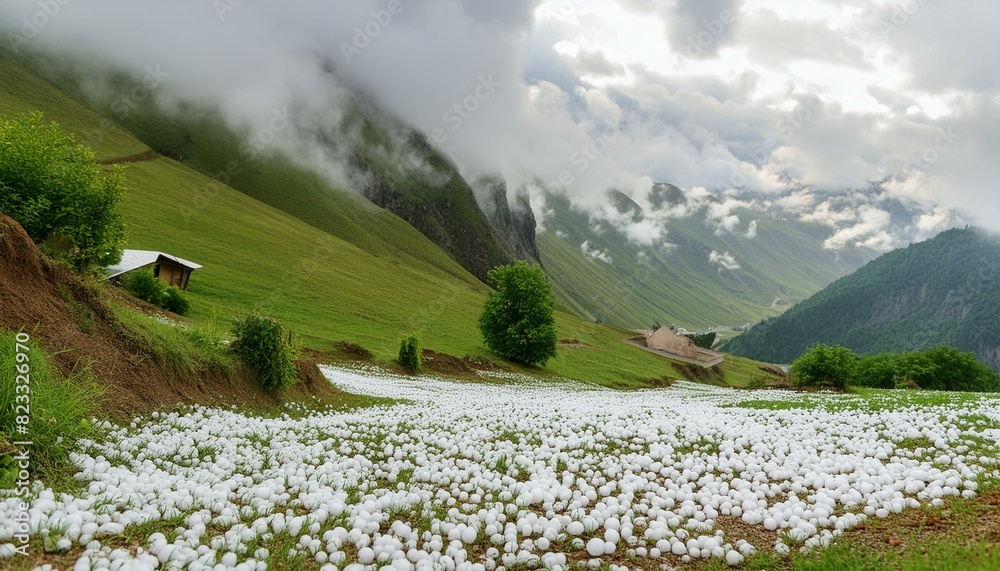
(513, 228)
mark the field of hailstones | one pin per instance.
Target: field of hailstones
(509, 472)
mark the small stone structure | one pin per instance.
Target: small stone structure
(667, 343)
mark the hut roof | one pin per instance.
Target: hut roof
(135, 259)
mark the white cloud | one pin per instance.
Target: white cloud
(785, 96)
(595, 253)
(868, 228)
(724, 260)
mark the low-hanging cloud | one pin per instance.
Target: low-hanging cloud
(542, 90)
(724, 260)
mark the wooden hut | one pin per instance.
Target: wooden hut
(171, 269)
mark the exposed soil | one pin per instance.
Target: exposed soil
(712, 375)
(573, 343)
(977, 522)
(311, 382)
(71, 320)
(773, 370)
(136, 158)
(350, 351)
(451, 366)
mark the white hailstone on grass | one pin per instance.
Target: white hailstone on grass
(595, 547)
(734, 558)
(366, 555)
(618, 470)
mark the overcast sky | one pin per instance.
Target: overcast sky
(789, 97)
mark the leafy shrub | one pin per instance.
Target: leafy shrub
(878, 371)
(825, 366)
(57, 192)
(947, 369)
(939, 368)
(409, 354)
(145, 286)
(261, 343)
(174, 300)
(517, 320)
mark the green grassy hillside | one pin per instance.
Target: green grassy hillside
(942, 291)
(369, 285)
(23, 92)
(678, 284)
(378, 152)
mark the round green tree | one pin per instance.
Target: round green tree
(517, 320)
(829, 366)
(56, 191)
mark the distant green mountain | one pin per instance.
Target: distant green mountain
(696, 277)
(943, 291)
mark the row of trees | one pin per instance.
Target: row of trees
(940, 368)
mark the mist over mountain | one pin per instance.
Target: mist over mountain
(726, 261)
(581, 97)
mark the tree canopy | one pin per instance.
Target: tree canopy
(825, 366)
(939, 368)
(57, 192)
(517, 320)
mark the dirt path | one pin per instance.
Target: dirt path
(136, 158)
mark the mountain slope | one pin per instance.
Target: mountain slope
(322, 286)
(942, 291)
(600, 273)
(389, 163)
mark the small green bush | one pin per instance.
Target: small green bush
(262, 344)
(174, 300)
(145, 286)
(409, 354)
(939, 368)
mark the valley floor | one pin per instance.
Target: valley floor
(516, 472)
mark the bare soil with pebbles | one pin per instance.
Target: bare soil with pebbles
(516, 473)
